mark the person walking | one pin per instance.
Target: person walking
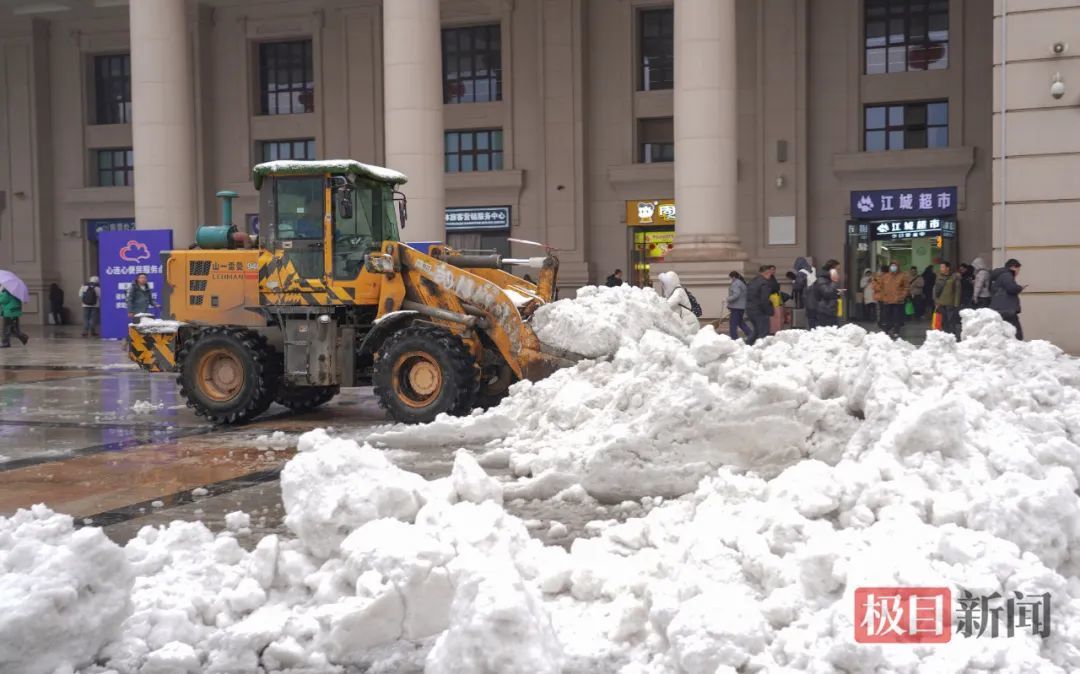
(947, 298)
(11, 311)
(826, 293)
(90, 297)
(804, 278)
(868, 304)
(915, 292)
(56, 304)
(140, 298)
(981, 284)
(892, 293)
(678, 300)
(1005, 294)
(929, 279)
(966, 280)
(615, 279)
(736, 302)
(759, 308)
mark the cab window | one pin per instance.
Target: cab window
(299, 208)
(365, 230)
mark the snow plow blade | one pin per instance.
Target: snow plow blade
(152, 351)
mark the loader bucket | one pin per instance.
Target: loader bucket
(152, 351)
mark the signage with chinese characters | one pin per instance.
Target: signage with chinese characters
(650, 212)
(654, 245)
(916, 202)
(478, 217)
(121, 257)
(916, 228)
(95, 227)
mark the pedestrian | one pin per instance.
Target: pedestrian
(759, 307)
(1005, 294)
(678, 300)
(90, 297)
(966, 279)
(929, 278)
(826, 293)
(892, 294)
(615, 279)
(866, 285)
(56, 304)
(804, 279)
(736, 301)
(11, 311)
(947, 298)
(915, 292)
(139, 297)
(981, 284)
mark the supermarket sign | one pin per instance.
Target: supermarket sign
(913, 229)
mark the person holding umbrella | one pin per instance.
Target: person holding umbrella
(12, 296)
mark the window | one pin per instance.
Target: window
(656, 138)
(115, 167)
(286, 79)
(657, 49)
(472, 64)
(476, 150)
(299, 148)
(372, 222)
(112, 89)
(907, 126)
(904, 35)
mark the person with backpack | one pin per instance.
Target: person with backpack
(11, 311)
(759, 307)
(139, 297)
(736, 302)
(90, 296)
(947, 299)
(980, 294)
(1005, 294)
(804, 278)
(680, 300)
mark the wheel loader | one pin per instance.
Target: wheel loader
(326, 295)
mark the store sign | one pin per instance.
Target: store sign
(655, 244)
(650, 212)
(95, 227)
(480, 217)
(121, 257)
(913, 229)
(923, 201)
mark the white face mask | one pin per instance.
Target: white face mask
(834, 275)
(893, 268)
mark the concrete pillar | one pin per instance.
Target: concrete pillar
(163, 118)
(412, 92)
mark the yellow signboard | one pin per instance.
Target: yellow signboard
(650, 212)
(655, 245)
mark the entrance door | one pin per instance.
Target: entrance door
(648, 245)
(300, 228)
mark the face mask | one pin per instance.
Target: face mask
(893, 268)
(834, 275)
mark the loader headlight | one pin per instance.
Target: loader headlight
(377, 263)
(324, 319)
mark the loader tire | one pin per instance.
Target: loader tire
(228, 375)
(306, 398)
(422, 371)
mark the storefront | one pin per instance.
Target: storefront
(912, 227)
(651, 223)
(479, 228)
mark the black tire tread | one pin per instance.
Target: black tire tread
(267, 367)
(306, 398)
(462, 366)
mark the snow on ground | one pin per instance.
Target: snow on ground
(949, 465)
(146, 407)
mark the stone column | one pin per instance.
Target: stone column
(412, 94)
(707, 243)
(163, 118)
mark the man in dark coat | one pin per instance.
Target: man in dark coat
(758, 305)
(56, 304)
(826, 292)
(615, 279)
(1005, 294)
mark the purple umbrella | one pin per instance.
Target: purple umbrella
(14, 285)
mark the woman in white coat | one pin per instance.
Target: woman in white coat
(677, 299)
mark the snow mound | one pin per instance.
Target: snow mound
(63, 592)
(146, 407)
(601, 319)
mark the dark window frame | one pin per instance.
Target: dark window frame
(119, 174)
(915, 19)
(908, 127)
(460, 45)
(266, 145)
(656, 140)
(456, 154)
(656, 53)
(290, 94)
(112, 90)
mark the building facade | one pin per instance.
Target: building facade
(698, 135)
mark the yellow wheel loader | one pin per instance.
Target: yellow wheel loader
(326, 295)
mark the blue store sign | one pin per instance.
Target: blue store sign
(912, 229)
(95, 227)
(121, 257)
(479, 217)
(916, 202)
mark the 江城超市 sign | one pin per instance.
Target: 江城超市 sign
(914, 202)
(478, 217)
(912, 229)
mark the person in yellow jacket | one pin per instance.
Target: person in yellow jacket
(891, 292)
(947, 298)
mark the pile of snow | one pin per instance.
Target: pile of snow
(600, 319)
(148, 325)
(146, 407)
(63, 592)
(278, 440)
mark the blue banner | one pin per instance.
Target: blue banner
(95, 227)
(478, 217)
(914, 202)
(121, 257)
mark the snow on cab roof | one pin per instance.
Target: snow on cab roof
(285, 167)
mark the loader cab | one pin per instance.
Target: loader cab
(363, 216)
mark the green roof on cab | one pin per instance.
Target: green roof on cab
(290, 167)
